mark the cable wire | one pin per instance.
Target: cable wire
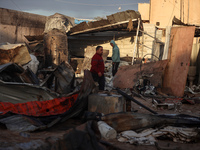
(16, 5)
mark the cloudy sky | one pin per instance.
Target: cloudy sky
(87, 9)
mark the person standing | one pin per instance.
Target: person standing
(115, 57)
(97, 68)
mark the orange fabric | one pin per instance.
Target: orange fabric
(40, 108)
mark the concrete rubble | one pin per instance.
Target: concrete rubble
(49, 100)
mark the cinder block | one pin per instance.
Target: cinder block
(106, 104)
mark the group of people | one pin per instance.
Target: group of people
(97, 68)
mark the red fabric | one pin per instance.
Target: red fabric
(40, 108)
(97, 64)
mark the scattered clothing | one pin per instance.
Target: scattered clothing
(149, 136)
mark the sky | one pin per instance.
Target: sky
(83, 9)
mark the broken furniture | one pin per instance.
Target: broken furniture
(48, 112)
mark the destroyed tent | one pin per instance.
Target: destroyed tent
(56, 110)
(20, 85)
(10, 72)
(23, 92)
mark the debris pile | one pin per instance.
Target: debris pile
(148, 136)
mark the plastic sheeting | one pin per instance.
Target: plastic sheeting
(58, 21)
(40, 108)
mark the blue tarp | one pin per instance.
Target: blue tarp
(76, 21)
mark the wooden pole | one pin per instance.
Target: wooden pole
(136, 40)
(142, 44)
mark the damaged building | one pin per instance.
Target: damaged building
(49, 99)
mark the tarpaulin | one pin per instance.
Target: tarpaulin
(40, 108)
(39, 115)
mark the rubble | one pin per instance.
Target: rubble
(23, 92)
(128, 76)
(56, 110)
(148, 136)
(33, 64)
(64, 74)
(134, 121)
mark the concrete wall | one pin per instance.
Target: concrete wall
(190, 10)
(143, 8)
(163, 11)
(15, 24)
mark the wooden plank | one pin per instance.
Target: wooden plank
(136, 40)
(179, 54)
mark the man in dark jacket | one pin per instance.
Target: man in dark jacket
(115, 57)
(97, 68)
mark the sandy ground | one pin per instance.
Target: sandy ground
(10, 138)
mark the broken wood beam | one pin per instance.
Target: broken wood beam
(101, 27)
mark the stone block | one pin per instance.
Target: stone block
(106, 104)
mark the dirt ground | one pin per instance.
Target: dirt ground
(10, 138)
(162, 145)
